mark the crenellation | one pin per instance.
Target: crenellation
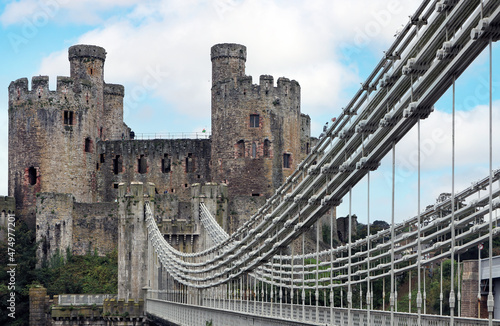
(7, 204)
(266, 82)
(40, 87)
(245, 82)
(75, 93)
(18, 91)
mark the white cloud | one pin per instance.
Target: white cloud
(298, 40)
(61, 11)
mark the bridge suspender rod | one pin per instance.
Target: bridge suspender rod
(419, 244)
(490, 293)
(281, 287)
(452, 283)
(391, 298)
(368, 288)
(317, 271)
(349, 271)
(292, 277)
(332, 217)
(303, 277)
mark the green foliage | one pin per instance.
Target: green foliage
(80, 274)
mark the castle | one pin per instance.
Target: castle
(69, 150)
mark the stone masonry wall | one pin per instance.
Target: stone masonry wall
(54, 224)
(172, 165)
(241, 208)
(470, 279)
(65, 224)
(95, 227)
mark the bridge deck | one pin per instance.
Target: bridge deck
(243, 313)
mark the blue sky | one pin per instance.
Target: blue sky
(328, 46)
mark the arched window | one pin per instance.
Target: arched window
(142, 165)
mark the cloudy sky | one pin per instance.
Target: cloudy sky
(328, 46)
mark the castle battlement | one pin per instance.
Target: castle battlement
(67, 88)
(20, 92)
(7, 204)
(284, 88)
(136, 190)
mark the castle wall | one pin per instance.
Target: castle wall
(241, 208)
(175, 220)
(54, 224)
(62, 223)
(112, 119)
(171, 164)
(95, 227)
(305, 135)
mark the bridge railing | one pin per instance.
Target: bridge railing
(164, 135)
(83, 299)
(225, 312)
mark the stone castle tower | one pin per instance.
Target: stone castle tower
(53, 134)
(258, 132)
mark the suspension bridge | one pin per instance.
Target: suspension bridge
(261, 274)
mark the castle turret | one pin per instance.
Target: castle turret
(228, 61)
(87, 62)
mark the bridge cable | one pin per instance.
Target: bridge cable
(490, 294)
(317, 271)
(391, 297)
(453, 203)
(332, 298)
(349, 289)
(419, 244)
(369, 290)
